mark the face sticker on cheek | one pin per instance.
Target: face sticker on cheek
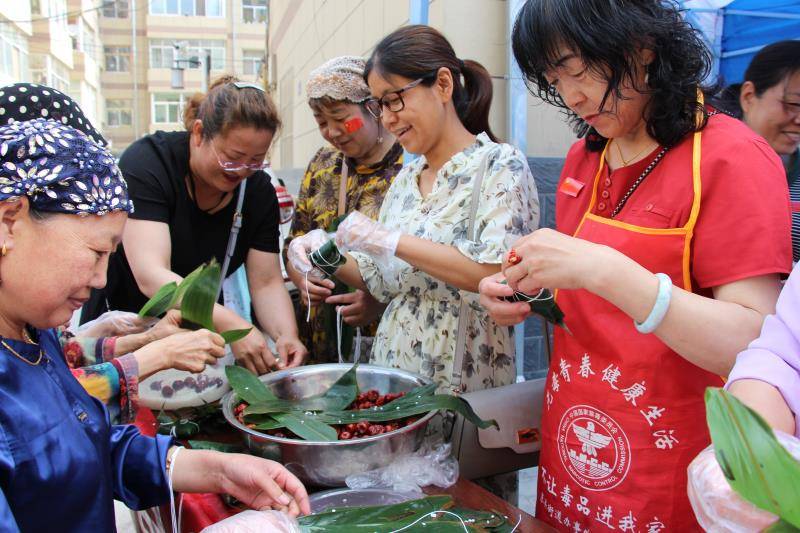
(353, 125)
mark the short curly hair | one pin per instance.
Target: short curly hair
(607, 36)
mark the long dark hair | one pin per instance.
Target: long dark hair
(769, 67)
(607, 36)
(418, 51)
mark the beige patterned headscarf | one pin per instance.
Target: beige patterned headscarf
(341, 78)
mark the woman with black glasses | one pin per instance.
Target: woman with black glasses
(185, 187)
(420, 257)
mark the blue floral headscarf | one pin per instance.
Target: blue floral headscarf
(59, 169)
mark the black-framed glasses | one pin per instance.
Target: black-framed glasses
(393, 101)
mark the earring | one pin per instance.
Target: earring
(380, 133)
(3, 250)
(647, 78)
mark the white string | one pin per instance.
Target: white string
(339, 333)
(519, 521)
(529, 298)
(357, 351)
(432, 515)
(308, 301)
(175, 520)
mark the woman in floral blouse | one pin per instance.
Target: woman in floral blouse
(418, 257)
(369, 157)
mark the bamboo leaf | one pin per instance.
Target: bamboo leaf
(379, 513)
(265, 423)
(781, 526)
(161, 302)
(753, 461)
(233, 335)
(187, 282)
(307, 427)
(200, 295)
(247, 385)
(342, 393)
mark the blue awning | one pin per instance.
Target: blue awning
(737, 29)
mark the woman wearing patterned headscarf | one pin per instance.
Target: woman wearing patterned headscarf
(29, 101)
(368, 158)
(109, 367)
(63, 206)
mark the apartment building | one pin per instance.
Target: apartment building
(305, 33)
(141, 41)
(16, 30)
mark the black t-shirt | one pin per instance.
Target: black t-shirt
(156, 167)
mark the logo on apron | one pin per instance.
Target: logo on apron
(593, 448)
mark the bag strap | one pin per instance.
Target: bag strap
(461, 344)
(343, 187)
(235, 227)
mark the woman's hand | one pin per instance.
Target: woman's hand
(551, 259)
(262, 484)
(259, 483)
(300, 247)
(253, 353)
(190, 351)
(168, 325)
(291, 352)
(505, 313)
(358, 308)
(311, 287)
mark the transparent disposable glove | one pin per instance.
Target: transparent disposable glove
(115, 324)
(300, 247)
(359, 233)
(716, 505)
(255, 522)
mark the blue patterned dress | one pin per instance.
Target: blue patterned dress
(61, 461)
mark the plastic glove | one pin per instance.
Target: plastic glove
(115, 324)
(716, 505)
(255, 522)
(300, 247)
(359, 233)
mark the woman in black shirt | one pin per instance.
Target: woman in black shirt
(185, 186)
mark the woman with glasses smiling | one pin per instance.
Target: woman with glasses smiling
(420, 257)
(185, 186)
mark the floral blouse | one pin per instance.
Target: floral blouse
(317, 207)
(418, 329)
(113, 381)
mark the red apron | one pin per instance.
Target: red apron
(623, 414)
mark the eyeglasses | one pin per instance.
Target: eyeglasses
(231, 166)
(393, 100)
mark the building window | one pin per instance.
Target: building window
(254, 11)
(118, 113)
(13, 55)
(251, 62)
(167, 108)
(162, 52)
(115, 9)
(46, 71)
(117, 58)
(201, 8)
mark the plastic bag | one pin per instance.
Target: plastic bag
(115, 324)
(720, 509)
(255, 522)
(409, 473)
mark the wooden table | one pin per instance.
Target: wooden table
(468, 494)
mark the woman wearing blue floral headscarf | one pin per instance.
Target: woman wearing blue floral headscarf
(63, 206)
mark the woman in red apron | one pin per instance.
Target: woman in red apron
(673, 229)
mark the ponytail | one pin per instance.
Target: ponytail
(419, 51)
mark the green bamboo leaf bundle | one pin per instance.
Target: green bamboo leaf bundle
(437, 513)
(196, 296)
(751, 458)
(543, 304)
(327, 258)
